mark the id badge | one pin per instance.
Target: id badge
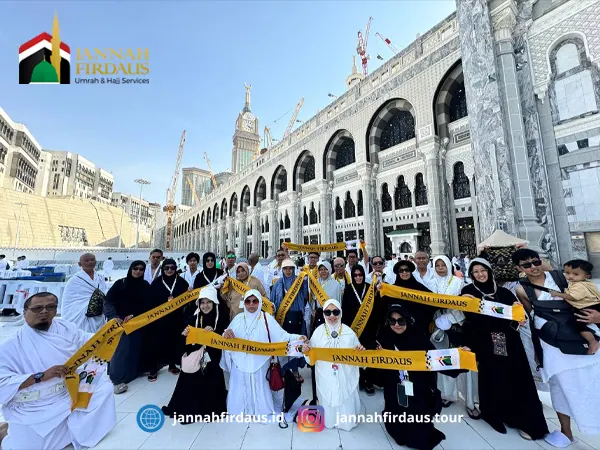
(408, 388)
(402, 397)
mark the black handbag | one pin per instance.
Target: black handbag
(96, 305)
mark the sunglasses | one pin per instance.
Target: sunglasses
(138, 269)
(281, 256)
(401, 322)
(532, 263)
(251, 302)
(210, 260)
(231, 256)
(405, 270)
(358, 275)
(335, 312)
(39, 309)
(378, 263)
(165, 268)
(338, 265)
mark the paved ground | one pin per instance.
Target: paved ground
(468, 434)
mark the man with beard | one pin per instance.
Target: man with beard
(34, 398)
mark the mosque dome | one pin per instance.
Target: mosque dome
(44, 73)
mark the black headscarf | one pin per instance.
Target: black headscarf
(130, 280)
(213, 273)
(411, 339)
(129, 295)
(358, 287)
(412, 282)
(168, 278)
(488, 289)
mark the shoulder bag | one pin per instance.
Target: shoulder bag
(274, 372)
(191, 362)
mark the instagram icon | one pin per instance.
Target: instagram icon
(311, 418)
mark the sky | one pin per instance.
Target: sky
(201, 54)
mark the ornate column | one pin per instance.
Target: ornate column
(222, 241)
(254, 218)
(240, 224)
(201, 240)
(431, 151)
(270, 207)
(327, 213)
(373, 228)
(295, 218)
(453, 248)
(230, 224)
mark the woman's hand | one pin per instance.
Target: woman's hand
(468, 295)
(379, 285)
(208, 329)
(186, 331)
(379, 347)
(359, 347)
(119, 321)
(228, 334)
(190, 288)
(306, 347)
(128, 318)
(588, 316)
(465, 349)
(302, 338)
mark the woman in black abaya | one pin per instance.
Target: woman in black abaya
(127, 298)
(165, 333)
(209, 271)
(418, 430)
(507, 392)
(203, 392)
(422, 314)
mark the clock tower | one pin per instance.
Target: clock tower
(246, 139)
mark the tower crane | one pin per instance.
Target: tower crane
(361, 49)
(189, 182)
(170, 206)
(267, 139)
(212, 175)
(293, 119)
(388, 42)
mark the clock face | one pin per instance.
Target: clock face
(248, 125)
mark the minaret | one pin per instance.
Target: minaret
(55, 58)
(247, 104)
(355, 77)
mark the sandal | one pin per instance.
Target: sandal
(446, 403)
(152, 377)
(474, 413)
(174, 371)
(299, 378)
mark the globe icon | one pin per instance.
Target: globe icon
(150, 418)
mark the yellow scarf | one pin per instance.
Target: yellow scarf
(241, 288)
(366, 308)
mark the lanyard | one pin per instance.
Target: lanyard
(360, 299)
(170, 289)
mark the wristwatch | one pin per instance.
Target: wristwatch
(38, 377)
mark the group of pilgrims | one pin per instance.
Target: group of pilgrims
(503, 392)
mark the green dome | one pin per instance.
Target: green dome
(44, 73)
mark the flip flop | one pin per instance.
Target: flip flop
(474, 413)
(152, 377)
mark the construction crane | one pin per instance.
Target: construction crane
(196, 198)
(293, 119)
(388, 42)
(170, 206)
(267, 139)
(361, 49)
(212, 175)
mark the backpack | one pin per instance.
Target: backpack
(560, 329)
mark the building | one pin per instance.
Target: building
(200, 182)
(488, 120)
(73, 175)
(246, 140)
(133, 206)
(19, 156)
(42, 181)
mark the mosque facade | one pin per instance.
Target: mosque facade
(487, 121)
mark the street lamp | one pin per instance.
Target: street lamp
(141, 182)
(331, 95)
(20, 205)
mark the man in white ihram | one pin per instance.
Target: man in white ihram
(33, 395)
(78, 293)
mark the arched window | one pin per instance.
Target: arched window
(405, 248)
(345, 154)
(460, 183)
(400, 128)
(338, 209)
(266, 225)
(305, 221)
(262, 226)
(287, 221)
(280, 223)
(349, 208)
(420, 191)
(313, 219)
(458, 104)
(402, 195)
(359, 204)
(386, 199)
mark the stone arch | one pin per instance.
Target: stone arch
(304, 169)
(224, 209)
(396, 116)
(245, 199)
(339, 153)
(198, 221)
(208, 218)
(202, 220)
(233, 204)
(449, 101)
(260, 191)
(278, 182)
(215, 213)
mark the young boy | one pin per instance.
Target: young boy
(581, 294)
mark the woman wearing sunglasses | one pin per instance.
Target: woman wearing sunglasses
(411, 393)
(209, 273)
(337, 384)
(249, 391)
(165, 333)
(127, 298)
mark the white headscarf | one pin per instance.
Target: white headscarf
(326, 265)
(337, 326)
(210, 293)
(442, 282)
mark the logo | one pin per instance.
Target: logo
(150, 418)
(311, 418)
(498, 309)
(45, 59)
(445, 360)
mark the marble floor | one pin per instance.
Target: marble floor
(468, 434)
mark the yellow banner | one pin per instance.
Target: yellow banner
(211, 339)
(319, 248)
(431, 360)
(242, 288)
(289, 298)
(468, 304)
(316, 289)
(366, 308)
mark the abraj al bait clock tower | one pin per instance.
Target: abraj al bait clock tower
(246, 140)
